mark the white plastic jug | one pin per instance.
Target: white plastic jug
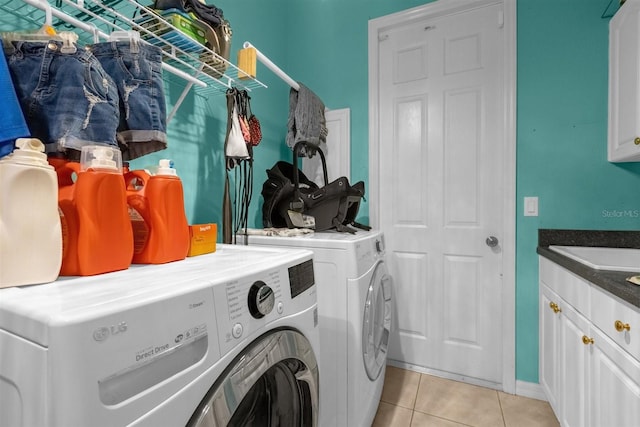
(30, 231)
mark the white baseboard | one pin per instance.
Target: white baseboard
(523, 388)
(532, 390)
(443, 374)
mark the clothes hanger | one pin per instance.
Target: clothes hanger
(124, 36)
(68, 38)
(133, 37)
(44, 33)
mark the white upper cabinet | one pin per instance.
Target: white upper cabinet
(624, 84)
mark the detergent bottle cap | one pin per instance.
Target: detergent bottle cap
(29, 151)
(101, 157)
(165, 168)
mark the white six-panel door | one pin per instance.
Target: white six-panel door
(337, 149)
(441, 189)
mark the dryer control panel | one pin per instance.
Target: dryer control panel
(368, 251)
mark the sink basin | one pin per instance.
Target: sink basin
(620, 259)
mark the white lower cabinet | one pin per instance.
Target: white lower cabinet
(563, 359)
(615, 384)
(589, 379)
(549, 340)
(573, 367)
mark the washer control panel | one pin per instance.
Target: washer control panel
(246, 306)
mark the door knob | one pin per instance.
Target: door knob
(492, 241)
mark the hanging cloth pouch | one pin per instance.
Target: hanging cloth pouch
(255, 130)
(249, 123)
(241, 106)
(244, 128)
(235, 147)
(254, 124)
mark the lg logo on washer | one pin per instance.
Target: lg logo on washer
(103, 333)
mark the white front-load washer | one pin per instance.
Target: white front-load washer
(228, 338)
(354, 308)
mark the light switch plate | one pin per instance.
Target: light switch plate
(530, 206)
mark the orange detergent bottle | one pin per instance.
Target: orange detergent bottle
(92, 200)
(156, 208)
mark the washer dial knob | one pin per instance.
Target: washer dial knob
(261, 299)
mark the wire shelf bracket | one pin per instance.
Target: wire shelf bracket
(273, 67)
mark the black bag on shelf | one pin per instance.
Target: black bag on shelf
(210, 14)
(292, 200)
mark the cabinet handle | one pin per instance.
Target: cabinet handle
(555, 307)
(621, 326)
(586, 340)
(637, 141)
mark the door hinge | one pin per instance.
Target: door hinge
(500, 18)
(382, 37)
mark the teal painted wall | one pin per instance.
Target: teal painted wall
(562, 144)
(562, 119)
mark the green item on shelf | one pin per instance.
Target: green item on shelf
(185, 24)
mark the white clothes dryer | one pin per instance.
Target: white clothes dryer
(354, 307)
(228, 338)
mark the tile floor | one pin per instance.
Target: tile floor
(412, 399)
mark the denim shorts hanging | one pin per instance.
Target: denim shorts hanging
(67, 98)
(136, 69)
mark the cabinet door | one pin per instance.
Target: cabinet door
(624, 84)
(549, 325)
(573, 354)
(617, 319)
(615, 384)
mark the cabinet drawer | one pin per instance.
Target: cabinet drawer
(607, 312)
(567, 285)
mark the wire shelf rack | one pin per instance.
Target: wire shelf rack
(205, 70)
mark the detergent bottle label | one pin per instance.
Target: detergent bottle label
(65, 231)
(140, 231)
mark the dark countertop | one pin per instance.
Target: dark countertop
(611, 281)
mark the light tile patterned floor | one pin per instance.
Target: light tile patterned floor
(412, 399)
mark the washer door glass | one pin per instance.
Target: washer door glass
(274, 382)
(376, 322)
(276, 399)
